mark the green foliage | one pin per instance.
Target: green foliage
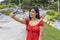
(27, 3)
(54, 6)
(3, 6)
(16, 2)
(51, 18)
(58, 16)
(52, 15)
(55, 0)
(44, 1)
(7, 12)
(51, 12)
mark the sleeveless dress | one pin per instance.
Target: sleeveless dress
(33, 31)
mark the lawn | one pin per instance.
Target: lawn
(51, 33)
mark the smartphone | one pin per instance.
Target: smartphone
(15, 9)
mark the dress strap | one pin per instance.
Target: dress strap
(41, 23)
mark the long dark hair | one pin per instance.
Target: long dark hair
(36, 10)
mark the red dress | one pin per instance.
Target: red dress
(33, 32)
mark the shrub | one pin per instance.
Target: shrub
(39, 5)
(51, 12)
(58, 17)
(52, 15)
(51, 18)
(7, 12)
(3, 6)
(54, 6)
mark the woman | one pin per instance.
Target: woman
(34, 25)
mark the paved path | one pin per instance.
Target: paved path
(12, 31)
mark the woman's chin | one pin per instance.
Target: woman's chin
(31, 16)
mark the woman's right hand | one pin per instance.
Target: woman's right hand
(12, 15)
(17, 19)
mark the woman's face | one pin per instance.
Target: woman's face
(32, 13)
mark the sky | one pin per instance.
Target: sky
(1, 0)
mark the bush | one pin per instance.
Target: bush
(52, 15)
(51, 18)
(58, 17)
(39, 5)
(54, 6)
(51, 12)
(7, 12)
(3, 6)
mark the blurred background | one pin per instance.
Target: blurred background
(12, 30)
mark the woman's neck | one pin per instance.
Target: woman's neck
(34, 19)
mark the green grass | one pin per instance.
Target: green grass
(51, 33)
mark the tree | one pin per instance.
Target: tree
(13, 1)
(55, 0)
(44, 2)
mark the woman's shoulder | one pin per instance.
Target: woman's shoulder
(41, 23)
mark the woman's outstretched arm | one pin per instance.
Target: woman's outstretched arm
(17, 19)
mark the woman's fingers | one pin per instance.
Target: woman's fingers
(12, 14)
